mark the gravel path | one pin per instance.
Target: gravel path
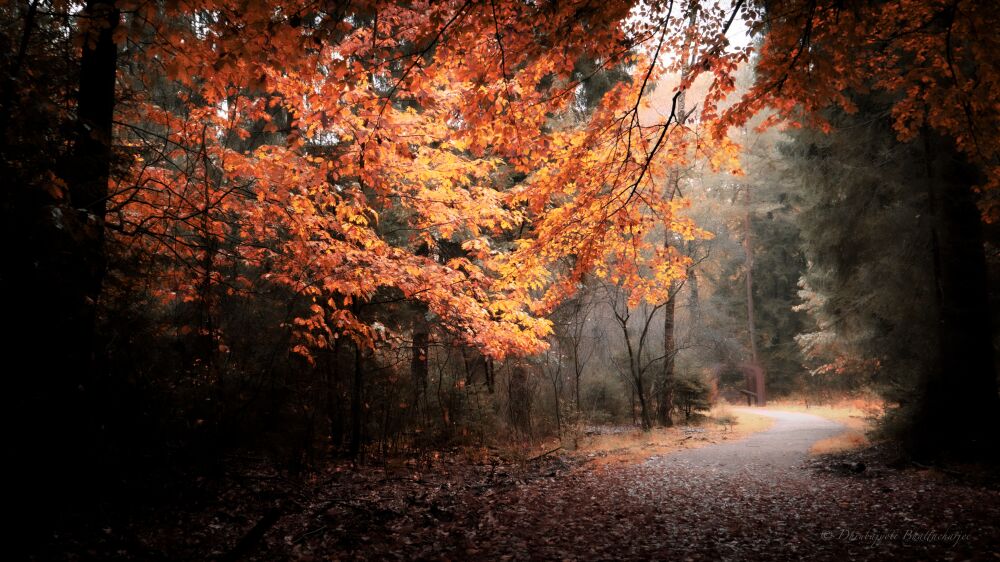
(748, 500)
(776, 451)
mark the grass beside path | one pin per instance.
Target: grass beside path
(622, 445)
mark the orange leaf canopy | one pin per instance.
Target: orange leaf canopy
(342, 150)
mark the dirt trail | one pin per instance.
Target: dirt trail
(755, 499)
(775, 452)
(748, 500)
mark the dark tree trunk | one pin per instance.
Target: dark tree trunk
(489, 371)
(555, 394)
(470, 369)
(957, 409)
(666, 403)
(672, 188)
(53, 282)
(645, 420)
(80, 273)
(88, 182)
(420, 352)
(357, 397)
(519, 401)
(334, 418)
(421, 343)
(577, 375)
(631, 402)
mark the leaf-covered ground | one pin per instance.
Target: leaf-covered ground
(760, 498)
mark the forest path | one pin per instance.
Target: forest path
(775, 452)
(760, 498)
(747, 500)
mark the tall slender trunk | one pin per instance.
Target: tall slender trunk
(644, 417)
(205, 338)
(631, 402)
(579, 326)
(84, 267)
(357, 396)
(758, 372)
(666, 403)
(419, 359)
(694, 296)
(421, 343)
(555, 394)
(577, 375)
(489, 371)
(333, 416)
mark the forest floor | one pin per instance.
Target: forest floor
(761, 497)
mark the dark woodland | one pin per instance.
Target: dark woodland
(501, 279)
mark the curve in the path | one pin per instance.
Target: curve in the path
(746, 500)
(777, 449)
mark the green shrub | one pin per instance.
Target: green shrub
(691, 395)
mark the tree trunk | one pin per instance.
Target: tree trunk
(555, 394)
(957, 406)
(489, 371)
(758, 371)
(631, 402)
(53, 282)
(666, 403)
(79, 270)
(644, 417)
(577, 375)
(421, 343)
(694, 296)
(333, 416)
(357, 396)
(420, 352)
(519, 401)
